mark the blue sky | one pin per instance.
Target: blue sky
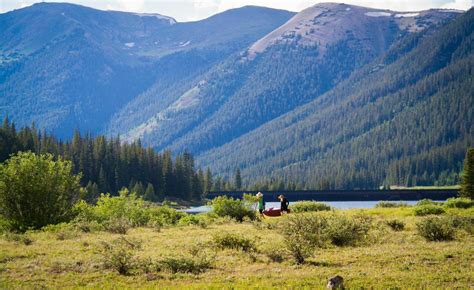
(189, 10)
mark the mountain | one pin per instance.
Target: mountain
(69, 67)
(404, 118)
(287, 68)
(336, 96)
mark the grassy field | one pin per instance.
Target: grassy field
(391, 260)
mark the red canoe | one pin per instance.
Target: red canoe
(272, 212)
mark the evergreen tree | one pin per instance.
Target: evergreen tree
(238, 179)
(208, 180)
(150, 193)
(138, 189)
(467, 176)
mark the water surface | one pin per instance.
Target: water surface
(334, 204)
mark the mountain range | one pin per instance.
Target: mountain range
(335, 96)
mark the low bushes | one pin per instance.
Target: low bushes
(427, 201)
(233, 241)
(460, 202)
(428, 209)
(120, 213)
(309, 206)
(119, 255)
(396, 225)
(390, 204)
(348, 231)
(237, 209)
(304, 233)
(436, 228)
(463, 223)
(186, 264)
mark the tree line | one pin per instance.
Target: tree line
(108, 165)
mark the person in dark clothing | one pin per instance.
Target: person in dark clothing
(284, 203)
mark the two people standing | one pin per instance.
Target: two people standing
(284, 203)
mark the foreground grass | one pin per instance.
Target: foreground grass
(395, 259)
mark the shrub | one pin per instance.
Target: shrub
(119, 213)
(233, 241)
(308, 206)
(120, 255)
(428, 209)
(234, 208)
(275, 257)
(303, 234)
(390, 204)
(19, 238)
(63, 231)
(166, 215)
(4, 225)
(463, 222)
(348, 231)
(117, 225)
(186, 264)
(426, 201)
(125, 206)
(396, 225)
(460, 202)
(436, 228)
(37, 190)
(87, 226)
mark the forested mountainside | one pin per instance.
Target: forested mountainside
(307, 56)
(69, 67)
(406, 118)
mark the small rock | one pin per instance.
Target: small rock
(336, 282)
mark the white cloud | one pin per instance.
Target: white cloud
(459, 4)
(187, 10)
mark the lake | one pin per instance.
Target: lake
(334, 204)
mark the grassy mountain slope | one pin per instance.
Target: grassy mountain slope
(406, 118)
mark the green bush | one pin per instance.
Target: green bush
(427, 201)
(119, 255)
(233, 241)
(348, 231)
(234, 208)
(119, 213)
(428, 209)
(460, 202)
(436, 228)
(303, 234)
(125, 206)
(396, 225)
(5, 225)
(63, 231)
(463, 222)
(37, 190)
(308, 206)
(389, 204)
(22, 238)
(118, 225)
(186, 264)
(166, 215)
